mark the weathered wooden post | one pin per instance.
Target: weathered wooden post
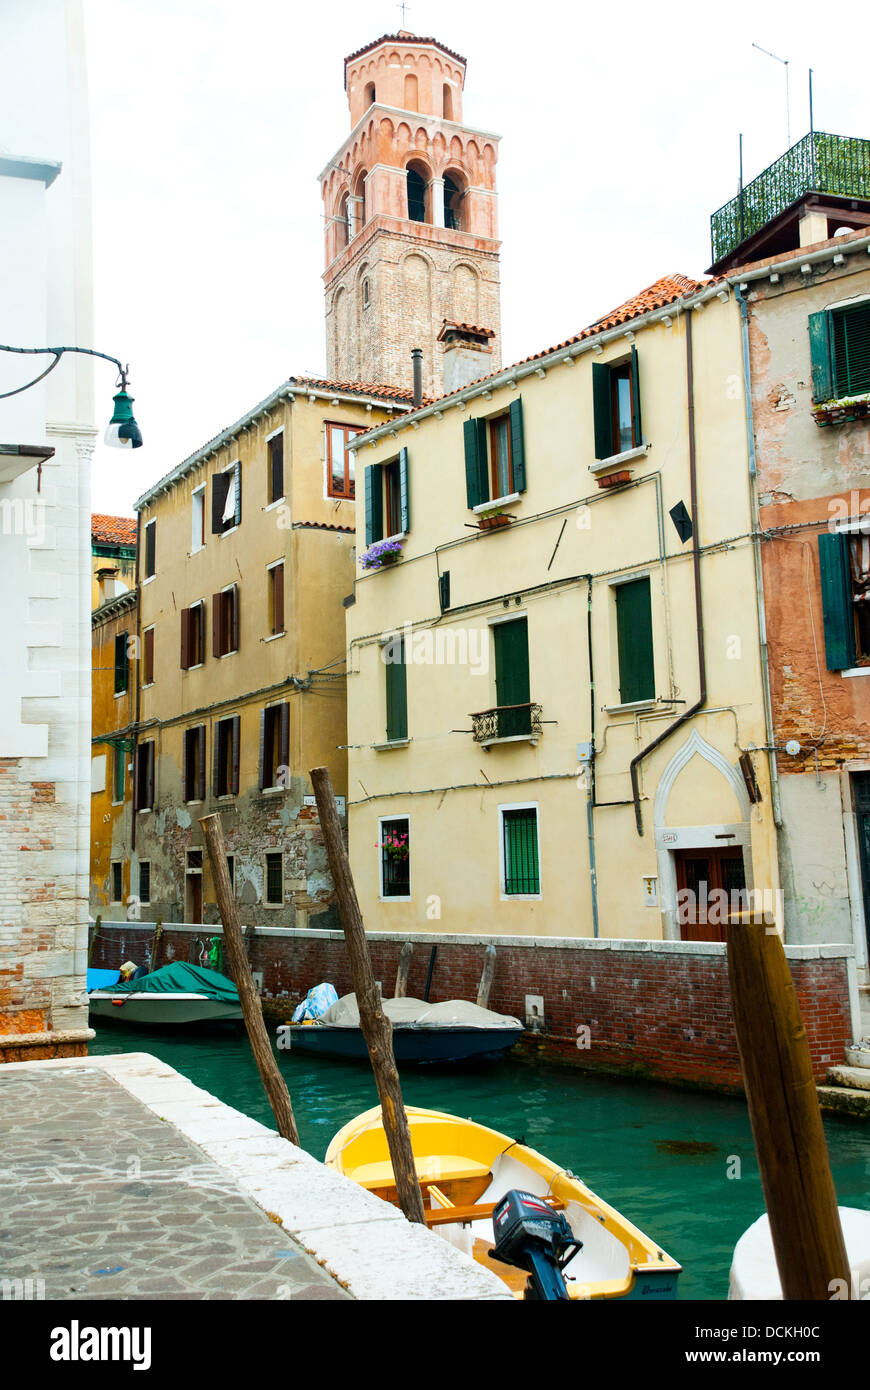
(376, 1027)
(154, 953)
(403, 971)
(485, 985)
(96, 932)
(784, 1111)
(252, 1010)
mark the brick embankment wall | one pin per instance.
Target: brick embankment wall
(652, 1009)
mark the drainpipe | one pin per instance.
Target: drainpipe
(696, 566)
(756, 555)
(589, 764)
(417, 367)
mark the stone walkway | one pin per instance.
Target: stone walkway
(124, 1206)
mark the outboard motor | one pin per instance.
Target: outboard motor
(530, 1235)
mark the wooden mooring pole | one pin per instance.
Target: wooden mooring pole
(376, 1027)
(784, 1111)
(252, 1010)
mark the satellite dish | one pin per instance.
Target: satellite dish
(843, 231)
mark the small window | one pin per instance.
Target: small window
(275, 579)
(144, 881)
(616, 407)
(274, 744)
(393, 655)
(225, 781)
(225, 621)
(274, 879)
(145, 776)
(117, 881)
(193, 772)
(452, 204)
(844, 563)
(122, 674)
(119, 773)
(521, 874)
(226, 499)
(840, 351)
(275, 468)
(366, 293)
(192, 636)
(148, 656)
(197, 521)
(634, 640)
(495, 456)
(416, 196)
(394, 846)
(340, 460)
(369, 94)
(150, 549)
(387, 499)
(194, 861)
(231, 870)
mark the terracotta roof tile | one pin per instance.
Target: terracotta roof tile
(450, 325)
(113, 530)
(357, 388)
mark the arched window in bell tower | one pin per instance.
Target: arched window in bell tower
(417, 180)
(453, 195)
(341, 225)
(370, 97)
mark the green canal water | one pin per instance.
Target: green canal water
(661, 1156)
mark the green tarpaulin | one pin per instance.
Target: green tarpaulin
(181, 978)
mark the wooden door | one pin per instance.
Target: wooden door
(194, 898)
(706, 874)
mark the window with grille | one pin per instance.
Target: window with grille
(275, 879)
(521, 869)
(145, 882)
(395, 851)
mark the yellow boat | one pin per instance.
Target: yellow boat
(466, 1172)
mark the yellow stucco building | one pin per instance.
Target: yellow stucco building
(555, 704)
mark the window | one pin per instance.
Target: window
(192, 636)
(193, 769)
(453, 196)
(274, 744)
(275, 579)
(840, 351)
(231, 870)
(387, 499)
(393, 654)
(148, 656)
(274, 879)
(145, 881)
(395, 850)
(339, 459)
(117, 881)
(495, 459)
(122, 673)
(634, 641)
(225, 621)
(226, 499)
(145, 776)
(844, 568)
(225, 780)
(119, 770)
(275, 467)
(370, 94)
(616, 406)
(416, 196)
(512, 686)
(197, 521)
(520, 855)
(150, 549)
(366, 293)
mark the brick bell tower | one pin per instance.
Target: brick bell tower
(411, 225)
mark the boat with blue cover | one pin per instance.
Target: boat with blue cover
(178, 993)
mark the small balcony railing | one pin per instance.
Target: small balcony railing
(819, 163)
(507, 722)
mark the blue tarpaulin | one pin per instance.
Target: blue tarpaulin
(102, 979)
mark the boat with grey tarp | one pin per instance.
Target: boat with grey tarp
(452, 1031)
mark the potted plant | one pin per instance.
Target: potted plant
(493, 518)
(396, 846)
(380, 554)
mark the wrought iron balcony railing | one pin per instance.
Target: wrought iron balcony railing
(507, 721)
(819, 163)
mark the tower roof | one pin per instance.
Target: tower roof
(402, 37)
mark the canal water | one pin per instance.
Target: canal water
(679, 1164)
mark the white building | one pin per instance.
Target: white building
(46, 439)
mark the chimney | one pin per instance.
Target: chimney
(417, 366)
(467, 354)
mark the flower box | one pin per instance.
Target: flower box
(380, 554)
(843, 411)
(494, 522)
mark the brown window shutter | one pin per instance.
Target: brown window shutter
(285, 735)
(236, 606)
(216, 788)
(149, 655)
(186, 793)
(149, 780)
(236, 731)
(186, 622)
(262, 749)
(216, 612)
(279, 597)
(200, 788)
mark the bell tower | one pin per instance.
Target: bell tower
(410, 220)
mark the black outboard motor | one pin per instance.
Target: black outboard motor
(532, 1236)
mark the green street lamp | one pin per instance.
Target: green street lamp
(122, 431)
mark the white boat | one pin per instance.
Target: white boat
(754, 1274)
(176, 994)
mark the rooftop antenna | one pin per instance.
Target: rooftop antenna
(784, 61)
(740, 189)
(812, 134)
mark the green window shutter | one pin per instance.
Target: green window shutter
(476, 480)
(850, 344)
(635, 398)
(512, 685)
(820, 356)
(521, 870)
(374, 504)
(602, 410)
(404, 501)
(634, 640)
(518, 450)
(837, 609)
(397, 691)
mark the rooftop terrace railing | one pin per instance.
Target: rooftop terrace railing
(819, 163)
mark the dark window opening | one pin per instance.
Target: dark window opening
(148, 656)
(119, 770)
(117, 882)
(416, 196)
(226, 500)
(225, 621)
(145, 882)
(276, 599)
(275, 478)
(452, 205)
(274, 744)
(225, 781)
(121, 663)
(370, 97)
(275, 879)
(145, 776)
(521, 869)
(150, 549)
(194, 764)
(395, 850)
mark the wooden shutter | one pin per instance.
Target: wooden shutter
(148, 644)
(236, 737)
(444, 590)
(404, 500)
(284, 736)
(820, 356)
(850, 349)
(149, 775)
(200, 788)
(217, 604)
(602, 410)
(512, 685)
(220, 484)
(186, 624)
(150, 549)
(518, 449)
(237, 483)
(634, 641)
(278, 598)
(216, 788)
(187, 766)
(637, 427)
(262, 762)
(276, 467)
(374, 504)
(397, 693)
(476, 479)
(837, 607)
(235, 600)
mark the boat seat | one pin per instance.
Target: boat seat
(435, 1168)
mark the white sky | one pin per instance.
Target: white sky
(212, 118)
